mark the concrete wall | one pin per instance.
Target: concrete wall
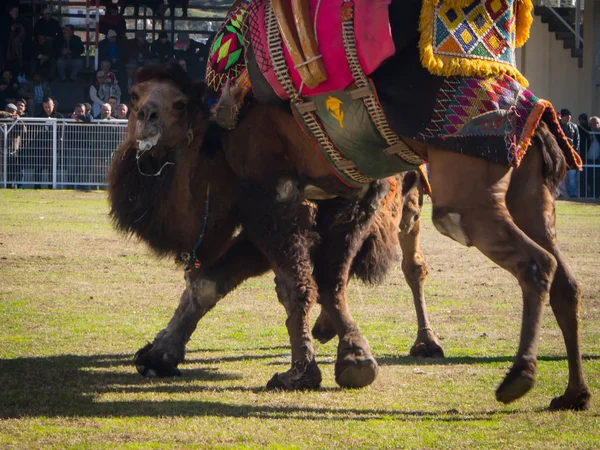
(552, 72)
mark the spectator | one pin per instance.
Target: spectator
(49, 27)
(105, 112)
(138, 49)
(70, 56)
(593, 157)
(97, 102)
(106, 66)
(114, 103)
(14, 141)
(43, 57)
(162, 49)
(16, 49)
(88, 109)
(4, 95)
(50, 110)
(22, 108)
(80, 114)
(12, 83)
(572, 134)
(35, 91)
(181, 61)
(122, 111)
(112, 20)
(6, 27)
(194, 53)
(109, 50)
(9, 112)
(109, 89)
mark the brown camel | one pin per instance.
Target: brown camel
(506, 213)
(159, 189)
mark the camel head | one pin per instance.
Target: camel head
(166, 109)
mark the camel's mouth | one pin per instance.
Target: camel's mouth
(148, 142)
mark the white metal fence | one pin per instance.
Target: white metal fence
(58, 153)
(65, 154)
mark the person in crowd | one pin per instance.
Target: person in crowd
(4, 95)
(110, 50)
(7, 75)
(161, 49)
(88, 108)
(35, 91)
(22, 108)
(194, 53)
(6, 26)
(592, 174)
(181, 61)
(14, 141)
(109, 89)
(114, 103)
(49, 108)
(16, 49)
(138, 49)
(112, 20)
(10, 93)
(105, 112)
(71, 54)
(9, 112)
(572, 133)
(122, 111)
(97, 101)
(80, 114)
(106, 66)
(49, 27)
(43, 57)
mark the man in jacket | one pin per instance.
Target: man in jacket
(35, 91)
(70, 55)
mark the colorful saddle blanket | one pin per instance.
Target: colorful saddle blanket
(474, 37)
(246, 24)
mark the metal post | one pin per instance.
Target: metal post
(5, 154)
(87, 34)
(577, 24)
(97, 34)
(54, 153)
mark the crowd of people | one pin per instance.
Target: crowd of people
(585, 139)
(30, 61)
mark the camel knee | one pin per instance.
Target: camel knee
(415, 269)
(565, 291)
(448, 221)
(538, 273)
(204, 292)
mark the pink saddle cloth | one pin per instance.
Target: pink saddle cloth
(374, 42)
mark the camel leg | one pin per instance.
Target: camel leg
(204, 288)
(469, 206)
(282, 227)
(533, 211)
(415, 274)
(343, 225)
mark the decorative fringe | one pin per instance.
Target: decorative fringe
(447, 66)
(544, 109)
(524, 21)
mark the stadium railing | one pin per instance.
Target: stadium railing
(58, 153)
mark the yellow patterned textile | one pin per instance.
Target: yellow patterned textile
(474, 37)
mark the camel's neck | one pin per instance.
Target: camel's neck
(162, 200)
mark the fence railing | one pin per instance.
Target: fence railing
(58, 153)
(65, 154)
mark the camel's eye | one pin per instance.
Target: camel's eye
(180, 105)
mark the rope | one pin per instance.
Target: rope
(190, 259)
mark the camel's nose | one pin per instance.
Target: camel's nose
(149, 113)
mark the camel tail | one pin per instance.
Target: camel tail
(555, 163)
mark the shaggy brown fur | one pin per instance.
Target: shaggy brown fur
(165, 208)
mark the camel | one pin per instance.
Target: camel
(505, 210)
(187, 158)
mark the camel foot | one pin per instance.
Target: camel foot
(302, 376)
(151, 362)
(519, 380)
(323, 332)
(578, 401)
(355, 367)
(426, 345)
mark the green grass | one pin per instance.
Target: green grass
(77, 300)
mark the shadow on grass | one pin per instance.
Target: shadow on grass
(70, 385)
(390, 360)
